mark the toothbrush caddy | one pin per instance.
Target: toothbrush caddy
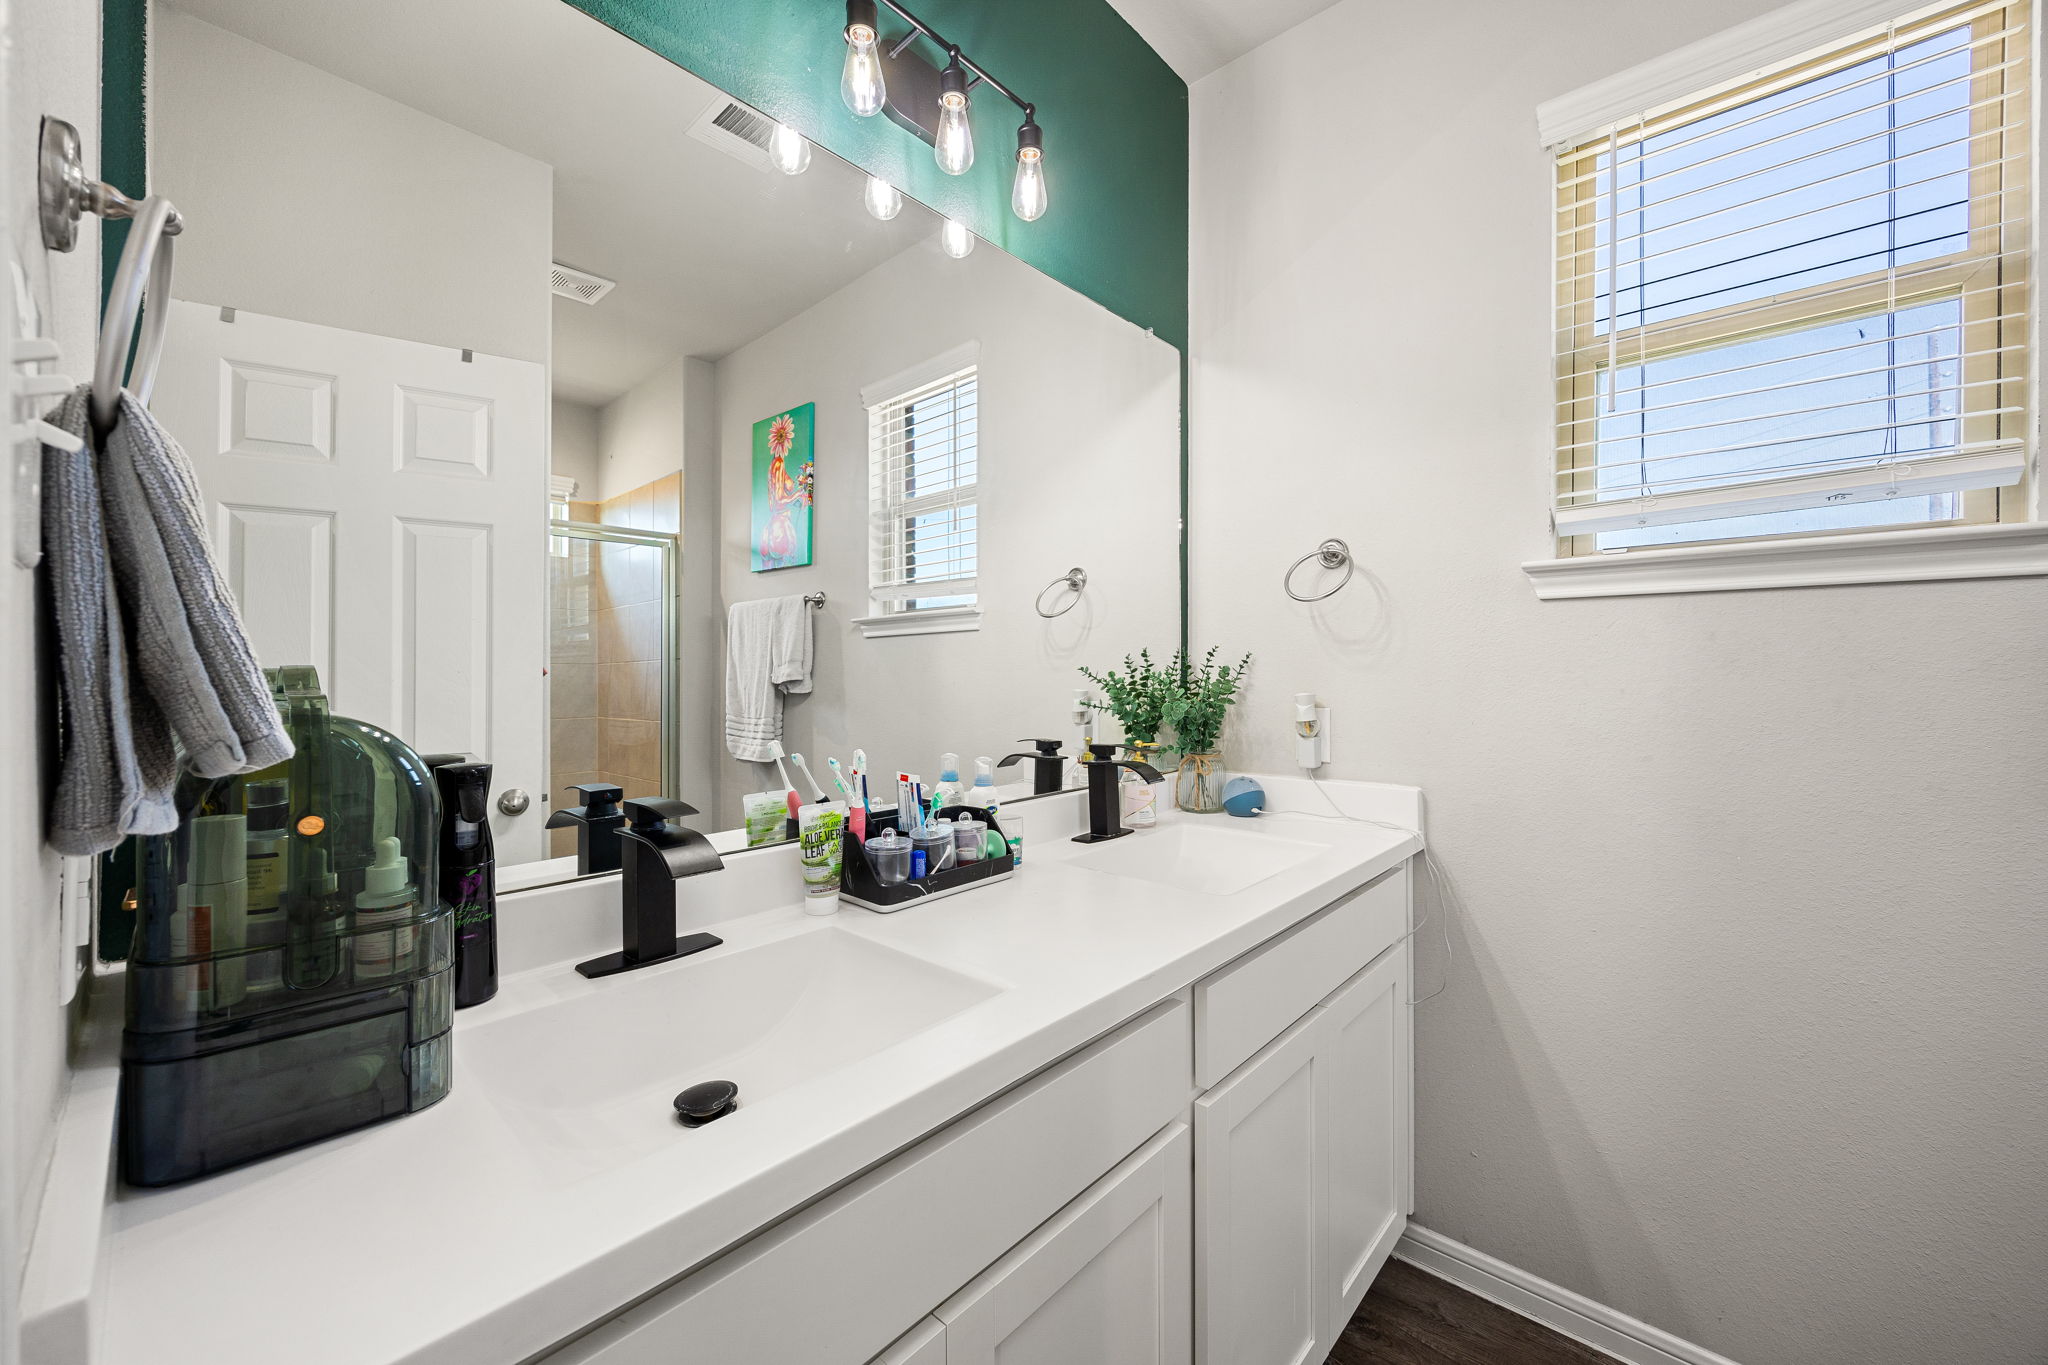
(858, 884)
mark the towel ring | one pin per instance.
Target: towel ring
(1331, 554)
(1073, 580)
(141, 290)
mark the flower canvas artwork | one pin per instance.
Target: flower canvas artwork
(784, 476)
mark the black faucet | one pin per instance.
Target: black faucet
(1048, 765)
(1105, 805)
(655, 850)
(597, 823)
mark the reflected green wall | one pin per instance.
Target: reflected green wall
(1115, 118)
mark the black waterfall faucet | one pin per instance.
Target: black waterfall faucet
(1048, 765)
(654, 850)
(1105, 803)
(598, 822)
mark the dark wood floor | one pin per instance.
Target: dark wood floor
(1410, 1317)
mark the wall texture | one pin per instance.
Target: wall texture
(1743, 1031)
(1114, 115)
(52, 67)
(572, 445)
(277, 165)
(1079, 443)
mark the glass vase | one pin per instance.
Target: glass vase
(1198, 787)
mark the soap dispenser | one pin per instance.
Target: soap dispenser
(469, 877)
(385, 910)
(948, 793)
(982, 795)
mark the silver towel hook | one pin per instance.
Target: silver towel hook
(1331, 554)
(141, 290)
(1074, 580)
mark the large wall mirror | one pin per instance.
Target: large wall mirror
(553, 422)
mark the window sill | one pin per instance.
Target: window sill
(1930, 555)
(941, 621)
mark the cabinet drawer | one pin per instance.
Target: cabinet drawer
(924, 1344)
(1245, 1006)
(838, 1282)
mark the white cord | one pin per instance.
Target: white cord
(1447, 891)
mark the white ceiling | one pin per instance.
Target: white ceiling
(1197, 36)
(709, 252)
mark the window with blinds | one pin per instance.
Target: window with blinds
(923, 486)
(1801, 306)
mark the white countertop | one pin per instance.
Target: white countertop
(448, 1236)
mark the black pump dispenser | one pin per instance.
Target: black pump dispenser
(469, 877)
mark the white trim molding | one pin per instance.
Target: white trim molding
(1727, 58)
(917, 376)
(1930, 554)
(1569, 1314)
(934, 621)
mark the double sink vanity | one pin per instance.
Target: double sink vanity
(1147, 1101)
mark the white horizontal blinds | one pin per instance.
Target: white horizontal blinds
(923, 487)
(1802, 306)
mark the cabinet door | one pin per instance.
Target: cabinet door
(1363, 1051)
(1104, 1282)
(1258, 1208)
(924, 1344)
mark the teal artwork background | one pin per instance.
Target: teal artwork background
(793, 500)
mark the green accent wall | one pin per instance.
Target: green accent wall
(123, 151)
(1115, 118)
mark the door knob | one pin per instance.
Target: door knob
(513, 801)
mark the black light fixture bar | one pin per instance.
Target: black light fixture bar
(981, 76)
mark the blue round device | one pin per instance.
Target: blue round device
(1244, 796)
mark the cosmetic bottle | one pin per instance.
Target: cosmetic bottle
(1140, 798)
(982, 795)
(211, 922)
(469, 878)
(315, 912)
(950, 790)
(266, 801)
(822, 845)
(385, 910)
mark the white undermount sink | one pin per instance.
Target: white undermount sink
(1202, 856)
(596, 1071)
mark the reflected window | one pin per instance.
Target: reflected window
(924, 536)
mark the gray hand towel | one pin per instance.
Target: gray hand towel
(152, 647)
(767, 655)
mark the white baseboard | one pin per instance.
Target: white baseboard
(1569, 1314)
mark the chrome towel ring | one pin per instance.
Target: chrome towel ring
(1331, 554)
(141, 290)
(1073, 580)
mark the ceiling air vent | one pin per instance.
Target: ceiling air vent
(579, 285)
(736, 130)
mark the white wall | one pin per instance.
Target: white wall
(1079, 463)
(572, 444)
(370, 215)
(1744, 1031)
(641, 432)
(52, 66)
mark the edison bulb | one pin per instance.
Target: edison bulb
(954, 145)
(860, 80)
(789, 150)
(956, 239)
(885, 201)
(1027, 191)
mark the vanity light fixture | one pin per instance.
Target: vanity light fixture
(789, 150)
(884, 200)
(1027, 191)
(944, 120)
(860, 81)
(955, 238)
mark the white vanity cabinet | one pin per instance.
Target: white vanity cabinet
(1301, 1152)
(1215, 1182)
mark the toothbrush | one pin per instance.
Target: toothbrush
(839, 778)
(775, 753)
(804, 769)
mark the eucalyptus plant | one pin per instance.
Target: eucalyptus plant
(1201, 699)
(1137, 695)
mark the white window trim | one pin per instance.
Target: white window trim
(1916, 555)
(1732, 57)
(923, 620)
(1921, 555)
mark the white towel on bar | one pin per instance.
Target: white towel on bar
(767, 656)
(154, 666)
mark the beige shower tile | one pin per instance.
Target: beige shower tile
(630, 691)
(666, 512)
(573, 745)
(572, 690)
(630, 746)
